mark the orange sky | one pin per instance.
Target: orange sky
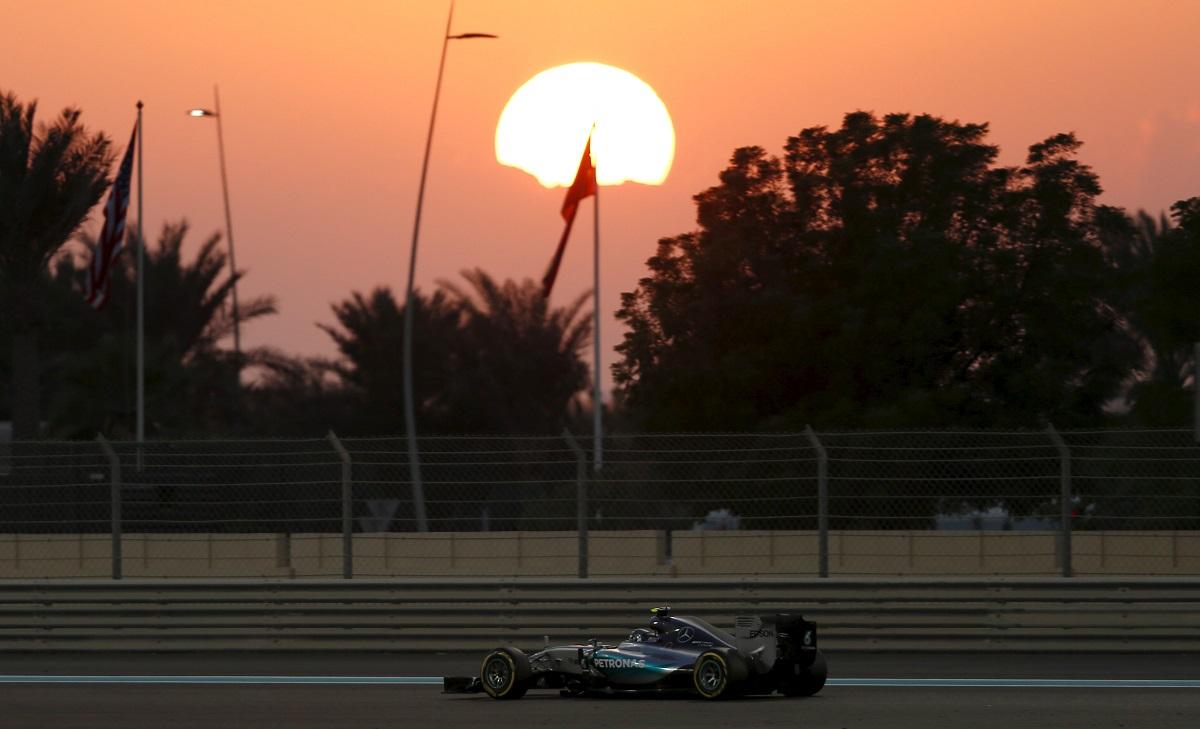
(326, 105)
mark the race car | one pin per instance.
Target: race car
(765, 653)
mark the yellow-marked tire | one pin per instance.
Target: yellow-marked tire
(503, 674)
(710, 676)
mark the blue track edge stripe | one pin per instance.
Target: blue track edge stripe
(243, 680)
(437, 681)
(1017, 682)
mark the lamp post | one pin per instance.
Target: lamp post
(216, 113)
(410, 415)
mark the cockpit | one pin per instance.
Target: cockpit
(668, 630)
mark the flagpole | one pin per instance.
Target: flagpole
(597, 398)
(141, 319)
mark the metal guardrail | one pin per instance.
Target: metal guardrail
(1052, 614)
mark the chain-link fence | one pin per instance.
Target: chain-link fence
(831, 503)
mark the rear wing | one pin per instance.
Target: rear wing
(766, 639)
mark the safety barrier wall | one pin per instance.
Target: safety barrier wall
(455, 614)
(612, 553)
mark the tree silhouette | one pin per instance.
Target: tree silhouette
(519, 362)
(191, 381)
(882, 274)
(50, 177)
(298, 397)
(493, 358)
(369, 335)
(1157, 264)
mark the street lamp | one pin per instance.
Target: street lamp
(216, 113)
(410, 415)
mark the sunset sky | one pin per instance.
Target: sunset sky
(326, 105)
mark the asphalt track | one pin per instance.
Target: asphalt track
(992, 691)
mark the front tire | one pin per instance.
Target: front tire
(808, 681)
(710, 676)
(504, 674)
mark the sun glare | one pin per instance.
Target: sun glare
(545, 124)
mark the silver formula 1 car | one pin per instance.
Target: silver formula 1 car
(764, 654)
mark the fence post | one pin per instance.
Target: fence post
(347, 508)
(115, 499)
(581, 500)
(1064, 498)
(822, 502)
(1196, 392)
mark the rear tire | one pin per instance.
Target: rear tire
(808, 681)
(504, 674)
(710, 676)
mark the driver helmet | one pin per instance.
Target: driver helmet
(661, 625)
(660, 619)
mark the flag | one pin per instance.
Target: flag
(583, 186)
(112, 237)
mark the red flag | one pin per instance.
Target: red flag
(112, 237)
(583, 186)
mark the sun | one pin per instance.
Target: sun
(545, 124)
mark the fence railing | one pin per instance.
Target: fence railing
(841, 501)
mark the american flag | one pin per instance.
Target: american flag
(112, 238)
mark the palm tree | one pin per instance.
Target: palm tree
(520, 362)
(192, 382)
(369, 336)
(50, 177)
(493, 358)
(1158, 266)
(188, 303)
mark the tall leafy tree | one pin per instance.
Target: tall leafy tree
(885, 273)
(51, 175)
